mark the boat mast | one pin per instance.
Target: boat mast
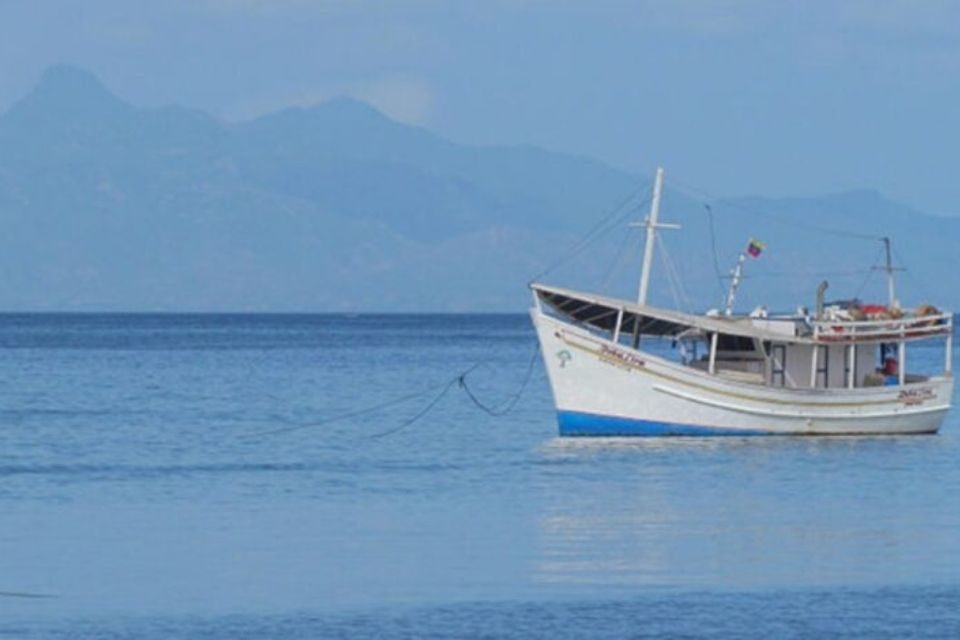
(652, 223)
(889, 269)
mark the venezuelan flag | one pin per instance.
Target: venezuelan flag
(755, 248)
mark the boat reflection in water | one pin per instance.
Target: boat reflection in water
(743, 513)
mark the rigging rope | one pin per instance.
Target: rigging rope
(616, 260)
(598, 230)
(809, 274)
(713, 246)
(870, 272)
(917, 282)
(700, 193)
(677, 290)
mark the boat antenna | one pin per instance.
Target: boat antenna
(889, 268)
(734, 283)
(651, 223)
(754, 249)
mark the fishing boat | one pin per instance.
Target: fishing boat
(839, 370)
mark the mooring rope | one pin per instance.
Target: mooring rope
(350, 414)
(512, 402)
(461, 381)
(426, 409)
(442, 390)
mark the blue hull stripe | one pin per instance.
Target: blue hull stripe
(574, 423)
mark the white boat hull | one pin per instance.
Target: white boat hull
(602, 388)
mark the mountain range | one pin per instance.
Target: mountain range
(109, 206)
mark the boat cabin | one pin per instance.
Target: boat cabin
(820, 351)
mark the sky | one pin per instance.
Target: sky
(758, 97)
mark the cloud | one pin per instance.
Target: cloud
(405, 98)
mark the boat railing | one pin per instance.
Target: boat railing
(893, 329)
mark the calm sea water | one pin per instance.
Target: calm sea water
(172, 476)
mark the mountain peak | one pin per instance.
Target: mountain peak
(65, 89)
(65, 76)
(342, 110)
(346, 104)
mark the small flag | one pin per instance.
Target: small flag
(755, 248)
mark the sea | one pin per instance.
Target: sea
(327, 476)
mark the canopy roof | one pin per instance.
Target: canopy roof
(600, 312)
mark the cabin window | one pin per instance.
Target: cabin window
(888, 350)
(778, 365)
(734, 343)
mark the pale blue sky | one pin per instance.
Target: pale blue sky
(752, 97)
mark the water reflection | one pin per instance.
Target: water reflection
(748, 512)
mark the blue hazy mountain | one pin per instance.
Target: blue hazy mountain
(105, 205)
